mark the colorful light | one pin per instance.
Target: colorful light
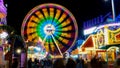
(53, 24)
(89, 31)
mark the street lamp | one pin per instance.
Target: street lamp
(113, 8)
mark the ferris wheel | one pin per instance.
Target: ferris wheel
(51, 24)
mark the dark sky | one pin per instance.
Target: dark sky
(82, 10)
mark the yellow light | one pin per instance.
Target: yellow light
(39, 14)
(51, 12)
(57, 14)
(62, 17)
(66, 22)
(45, 12)
(106, 35)
(18, 51)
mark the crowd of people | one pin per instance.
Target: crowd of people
(95, 62)
(44, 63)
(98, 62)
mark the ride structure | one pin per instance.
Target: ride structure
(51, 24)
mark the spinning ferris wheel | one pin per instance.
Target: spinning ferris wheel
(51, 24)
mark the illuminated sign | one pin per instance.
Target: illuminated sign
(89, 31)
(93, 22)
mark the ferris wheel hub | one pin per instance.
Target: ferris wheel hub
(49, 29)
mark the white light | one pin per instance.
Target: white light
(113, 24)
(89, 31)
(6, 5)
(31, 47)
(3, 35)
(106, 36)
(18, 51)
(38, 48)
(49, 29)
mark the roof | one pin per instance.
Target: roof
(88, 42)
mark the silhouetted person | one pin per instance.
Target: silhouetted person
(49, 63)
(15, 63)
(95, 62)
(30, 63)
(80, 63)
(102, 63)
(42, 63)
(117, 62)
(59, 63)
(36, 62)
(71, 63)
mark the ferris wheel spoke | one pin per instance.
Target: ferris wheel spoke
(57, 46)
(44, 40)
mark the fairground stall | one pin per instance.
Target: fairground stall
(103, 40)
(36, 51)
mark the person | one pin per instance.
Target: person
(117, 61)
(95, 62)
(102, 63)
(86, 63)
(15, 63)
(49, 63)
(80, 62)
(59, 63)
(36, 63)
(71, 63)
(30, 63)
(42, 63)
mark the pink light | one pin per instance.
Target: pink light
(3, 10)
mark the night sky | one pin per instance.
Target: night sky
(82, 10)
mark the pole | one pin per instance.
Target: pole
(113, 9)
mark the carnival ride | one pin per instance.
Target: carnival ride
(52, 25)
